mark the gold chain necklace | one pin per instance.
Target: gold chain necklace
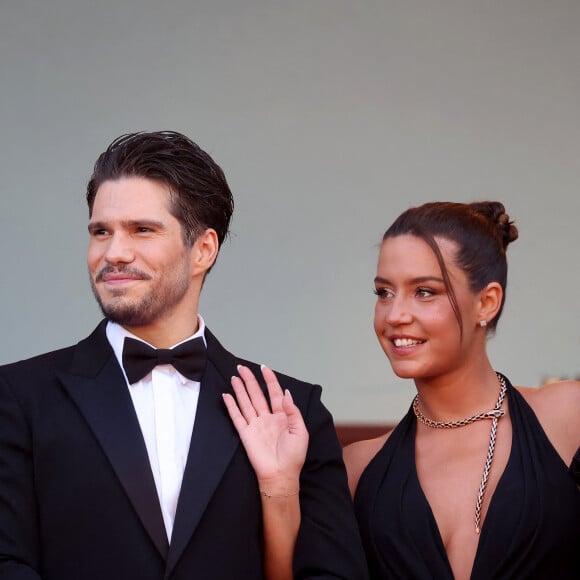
(494, 415)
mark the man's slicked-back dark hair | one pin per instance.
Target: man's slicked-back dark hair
(200, 195)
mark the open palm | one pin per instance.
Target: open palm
(274, 435)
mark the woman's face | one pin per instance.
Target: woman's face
(414, 320)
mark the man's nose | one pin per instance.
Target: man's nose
(120, 249)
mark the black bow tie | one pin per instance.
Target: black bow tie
(188, 358)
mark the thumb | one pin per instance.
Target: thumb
(295, 421)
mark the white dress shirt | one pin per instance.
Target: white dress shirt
(165, 402)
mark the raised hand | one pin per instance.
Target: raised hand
(274, 435)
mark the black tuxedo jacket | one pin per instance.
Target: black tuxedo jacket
(78, 500)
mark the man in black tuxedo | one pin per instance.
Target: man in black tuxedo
(118, 462)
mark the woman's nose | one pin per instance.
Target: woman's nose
(398, 312)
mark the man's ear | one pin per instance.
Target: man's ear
(204, 251)
(490, 301)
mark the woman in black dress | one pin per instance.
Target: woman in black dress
(477, 479)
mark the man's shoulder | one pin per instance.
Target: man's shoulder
(46, 359)
(306, 395)
(224, 358)
(28, 379)
(47, 362)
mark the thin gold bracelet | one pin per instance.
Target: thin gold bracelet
(266, 494)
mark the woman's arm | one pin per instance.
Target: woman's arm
(275, 439)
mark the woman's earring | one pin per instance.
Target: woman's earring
(483, 323)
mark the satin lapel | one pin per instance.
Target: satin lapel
(97, 386)
(213, 443)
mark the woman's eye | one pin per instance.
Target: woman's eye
(424, 292)
(382, 292)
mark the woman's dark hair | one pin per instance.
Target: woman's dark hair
(200, 195)
(482, 232)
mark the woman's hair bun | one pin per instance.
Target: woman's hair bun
(495, 212)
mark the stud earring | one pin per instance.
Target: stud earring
(483, 323)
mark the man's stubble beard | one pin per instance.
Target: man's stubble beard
(145, 310)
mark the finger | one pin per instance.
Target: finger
(295, 420)
(274, 389)
(243, 400)
(254, 390)
(236, 416)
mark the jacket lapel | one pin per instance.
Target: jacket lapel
(213, 443)
(96, 384)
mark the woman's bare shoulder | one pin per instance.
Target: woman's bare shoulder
(559, 396)
(557, 407)
(358, 455)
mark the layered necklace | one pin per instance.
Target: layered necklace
(494, 415)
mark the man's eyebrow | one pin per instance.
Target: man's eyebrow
(98, 225)
(143, 222)
(92, 226)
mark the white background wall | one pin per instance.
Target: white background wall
(329, 118)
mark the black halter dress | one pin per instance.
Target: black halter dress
(532, 527)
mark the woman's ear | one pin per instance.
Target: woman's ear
(490, 299)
